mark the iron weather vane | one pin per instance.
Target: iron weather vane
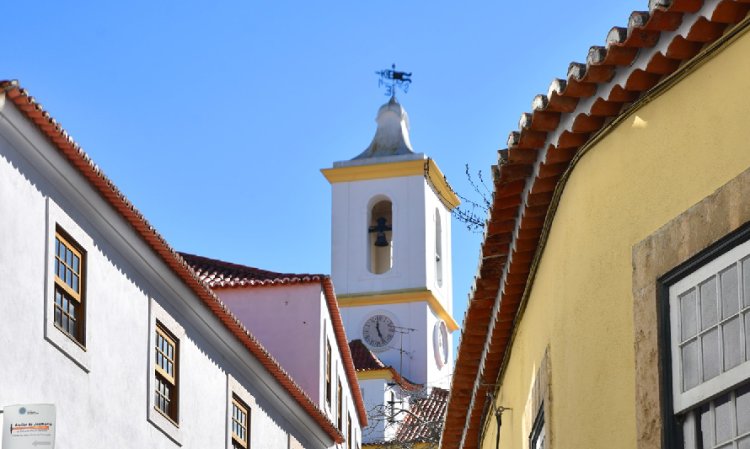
(392, 79)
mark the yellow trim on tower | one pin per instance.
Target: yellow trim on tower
(374, 171)
(420, 445)
(399, 297)
(421, 167)
(383, 373)
(441, 186)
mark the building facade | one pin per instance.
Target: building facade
(297, 319)
(611, 309)
(108, 323)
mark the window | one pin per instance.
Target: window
(68, 291)
(240, 424)
(328, 372)
(709, 320)
(349, 431)
(380, 237)
(438, 249)
(538, 433)
(165, 372)
(391, 409)
(340, 405)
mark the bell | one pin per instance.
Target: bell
(381, 227)
(380, 239)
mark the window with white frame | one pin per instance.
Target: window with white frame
(709, 320)
(538, 435)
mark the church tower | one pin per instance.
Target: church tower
(391, 252)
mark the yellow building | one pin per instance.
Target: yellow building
(612, 303)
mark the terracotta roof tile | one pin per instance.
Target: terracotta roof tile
(633, 63)
(220, 274)
(364, 359)
(425, 422)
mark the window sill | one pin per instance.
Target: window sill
(165, 424)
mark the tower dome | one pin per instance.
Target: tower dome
(392, 136)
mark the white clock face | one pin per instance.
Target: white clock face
(378, 331)
(440, 343)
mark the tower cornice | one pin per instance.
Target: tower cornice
(420, 167)
(399, 297)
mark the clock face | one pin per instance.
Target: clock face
(440, 343)
(378, 331)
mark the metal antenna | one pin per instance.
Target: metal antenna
(402, 330)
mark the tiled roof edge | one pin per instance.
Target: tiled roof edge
(636, 61)
(60, 139)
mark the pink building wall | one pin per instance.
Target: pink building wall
(287, 321)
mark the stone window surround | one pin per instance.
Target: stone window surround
(235, 388)
(160, 421)
(700, 232)
(76, 352)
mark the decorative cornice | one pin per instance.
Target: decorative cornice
(400, 297)
(420, 167)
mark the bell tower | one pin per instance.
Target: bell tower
(391, 251)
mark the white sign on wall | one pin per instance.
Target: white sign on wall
(29, 426)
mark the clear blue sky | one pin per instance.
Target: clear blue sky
(214, 118)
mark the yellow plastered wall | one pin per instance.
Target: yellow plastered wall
(667, 156)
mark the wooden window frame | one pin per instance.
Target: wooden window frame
(237, 440)
(161, 374)
(67, 291)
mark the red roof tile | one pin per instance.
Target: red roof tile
(632, 65)
(71, 151)
(364, 359)
(425, 422)
(218, 274)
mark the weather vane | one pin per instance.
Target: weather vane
(392, 79)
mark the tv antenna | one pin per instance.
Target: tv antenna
(402, 330)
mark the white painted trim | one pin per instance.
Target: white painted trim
(727, 379)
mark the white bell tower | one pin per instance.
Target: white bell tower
(391, 252)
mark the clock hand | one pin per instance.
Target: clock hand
(377, 328)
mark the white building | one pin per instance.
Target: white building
(104, 320)
(391, 255)
(296, 318)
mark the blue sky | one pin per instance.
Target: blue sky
(215, 118)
